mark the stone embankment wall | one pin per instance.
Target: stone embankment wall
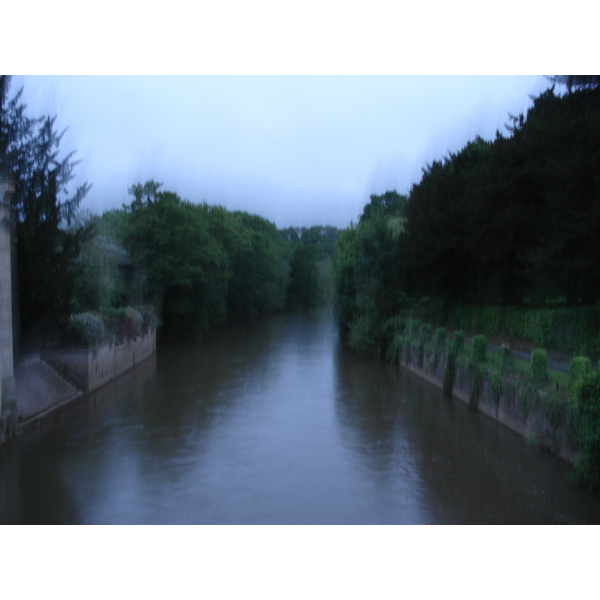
(508, 411)
(91, 369)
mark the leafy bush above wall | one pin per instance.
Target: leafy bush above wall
(553, 420)
(88, 327)
(111, 325)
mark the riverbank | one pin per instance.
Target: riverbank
(49, 381)
(511, 407)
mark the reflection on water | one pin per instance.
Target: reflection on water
(277, 422)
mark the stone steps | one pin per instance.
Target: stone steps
(62, 373)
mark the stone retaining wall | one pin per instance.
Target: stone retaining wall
(507, 411)
(91, 369)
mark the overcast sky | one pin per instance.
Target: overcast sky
(297, 150)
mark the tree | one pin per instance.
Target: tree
(345, 263)
(4, 132)
(184, 268)
(303, 289)
(258, 273)
(577, 81)
(48, 243)
(439, 212)
(367, 273)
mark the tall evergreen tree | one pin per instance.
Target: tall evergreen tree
(47, 242)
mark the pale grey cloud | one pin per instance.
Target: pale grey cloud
(297, 150)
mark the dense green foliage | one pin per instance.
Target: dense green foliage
(501, 235)
(479, 349)
(366, 280)
(458, 342)
(304, 284)
(499, 238)
(513, 220)
(508, 361)
(576, 329)
(539, 366)
(110, 325)
(200, 265)
(580, 368)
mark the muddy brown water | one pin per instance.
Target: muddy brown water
(277, 422)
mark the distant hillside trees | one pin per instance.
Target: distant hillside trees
(202, 265)
(310, 264)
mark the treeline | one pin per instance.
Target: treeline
(200, 265)
(511, 222)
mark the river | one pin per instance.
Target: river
(277, 422)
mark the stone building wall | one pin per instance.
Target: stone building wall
(7, 379)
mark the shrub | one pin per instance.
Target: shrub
(133, 321)
(394, 349)
(425, 333)
(508, 361)
(88, 328)
(458, 342)
(579, 368)
(392, 328)
(117, 297)
(587, 470)
(364, 335)
(479, 349)
(413, 329)
(539, 366)
(440, 339)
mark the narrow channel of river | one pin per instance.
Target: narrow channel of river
(277, 422)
